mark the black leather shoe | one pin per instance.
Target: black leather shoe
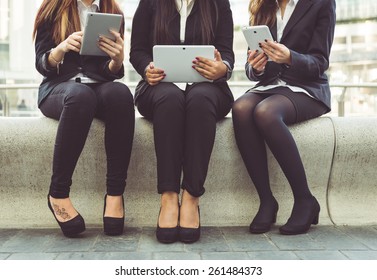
(262, 221)
(304, 214)
(167, 235)
(190, 235)
(113, 226)
(72, 227)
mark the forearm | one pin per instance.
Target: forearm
(55, 57)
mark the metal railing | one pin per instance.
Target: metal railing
(245, 84)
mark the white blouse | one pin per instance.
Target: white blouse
(184, 8)
(83, 10)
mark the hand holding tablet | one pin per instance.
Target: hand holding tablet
(260, 40)
(99, 25)
(176, 61)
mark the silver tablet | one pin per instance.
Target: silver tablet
(256, 34)
(98, 24)
(176, 61)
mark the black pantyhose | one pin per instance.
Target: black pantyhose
(263, 120)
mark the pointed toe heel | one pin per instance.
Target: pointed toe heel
(259, 225)
(302, 224)
(167, 235)
(190, 235)
(71, 228)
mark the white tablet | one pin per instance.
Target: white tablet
(98, 24)
(255, 35)
(176, 61)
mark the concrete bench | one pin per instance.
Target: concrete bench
(339, 154)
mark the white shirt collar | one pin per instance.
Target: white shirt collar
(83, 11)
(184, 8)
(282, 22)
(95, 3)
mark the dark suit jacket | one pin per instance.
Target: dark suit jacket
(95, 67)
(142, 37)
(309, 35)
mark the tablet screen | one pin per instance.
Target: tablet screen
(176, 61)
(98, 24)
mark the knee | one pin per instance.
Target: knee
(242, 109)
(241, 106)
(82, 98)
(201, 97)
(118, 96)
(168, 95)
(265, 117)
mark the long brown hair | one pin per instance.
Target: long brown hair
(263, 12)
(64, 16)
(166, 10)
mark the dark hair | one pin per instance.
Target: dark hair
(263, 12)
(165, 14)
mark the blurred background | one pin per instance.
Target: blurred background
(352, 73)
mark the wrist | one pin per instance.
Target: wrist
(116, 64)
(57, 60)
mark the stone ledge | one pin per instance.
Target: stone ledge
(26, 146)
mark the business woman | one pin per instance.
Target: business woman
(184, 117)
(75, 89)
(292, 88)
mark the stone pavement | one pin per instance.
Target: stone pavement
(216, 243)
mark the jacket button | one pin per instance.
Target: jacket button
(79, 68)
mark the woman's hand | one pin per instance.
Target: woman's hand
(210, 69)
(278, 53)
(154, 75)
(114, 49)
(72, 43)
(257, 60)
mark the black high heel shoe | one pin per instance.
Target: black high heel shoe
(263, 224)
(113, 226)
(190, 235)
(72, 227)
(302, 217)
(167, 235)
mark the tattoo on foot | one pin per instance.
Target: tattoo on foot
(62, 213)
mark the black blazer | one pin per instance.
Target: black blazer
(95, 67)
(309, 35)
(142, 37)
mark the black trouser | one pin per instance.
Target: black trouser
(184, 124)
(75, 105)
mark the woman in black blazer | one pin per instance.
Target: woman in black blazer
(184, 116)
(292, 87)
(74, 90)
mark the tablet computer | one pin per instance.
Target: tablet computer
(255, 35)
(176, 61)
(98, 24)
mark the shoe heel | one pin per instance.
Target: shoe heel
(274, 219)
(315, 220)
(112, 226)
